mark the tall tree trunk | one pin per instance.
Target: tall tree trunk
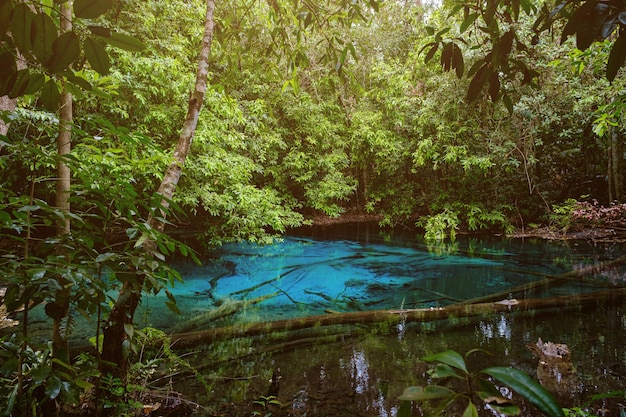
(616, 166)
(114, 360)
(59, 308)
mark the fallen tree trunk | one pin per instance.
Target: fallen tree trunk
(228, 308)
(188, 340)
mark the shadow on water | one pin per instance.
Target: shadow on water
(360, 370)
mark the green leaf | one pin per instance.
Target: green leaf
(129, 329)
(66, 50)
(50, 96)
(470, 410)
(443, 370)
(616, 57)
(6, 8)
(527, 388)
(477, 83)
(457, 60)
(53, 387)
(43, 34)
(430, 392)
(494, 86)
(21, 83)
(99, 30)
(97, 56)
(172, 307)
(35, 83)
(19, 26)
(125, 42)
(90, 9)
(103, 257)
(449, 357)
(471, 18)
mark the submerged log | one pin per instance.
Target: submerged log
(187, 340)
(228, 308)
(550, 281)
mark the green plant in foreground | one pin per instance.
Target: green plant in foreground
(450, 366)
(266, 402)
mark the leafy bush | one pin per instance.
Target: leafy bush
(451, 366)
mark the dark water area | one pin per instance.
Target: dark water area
(361, 370)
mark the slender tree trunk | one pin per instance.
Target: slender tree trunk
(616, 167)
(114, 359)
(6, 104)
(59, 308)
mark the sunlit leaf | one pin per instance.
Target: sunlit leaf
(528, 388)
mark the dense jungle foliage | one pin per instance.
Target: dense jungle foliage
(445, 116)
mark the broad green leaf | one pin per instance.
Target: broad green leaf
(528, 388)
(97, 56)
(19, 26)
(470, 410)
(35, 83)
(449, 357)
(616, 57)
(43, 33)
(50, 96)
(6, 7)
(90, 9)
(66, 50)
(429, 392)
(126, 42)
(21, 83)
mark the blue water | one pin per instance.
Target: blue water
(352, 269)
